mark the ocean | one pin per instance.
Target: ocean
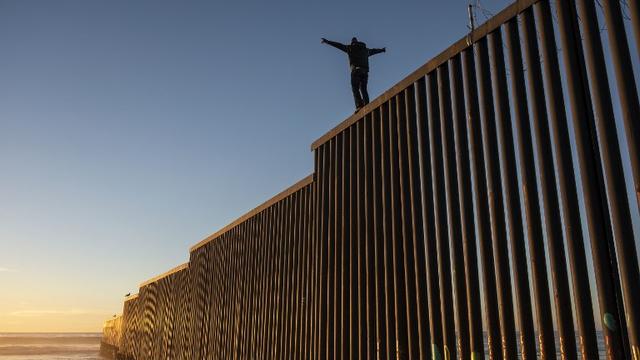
(50, 346)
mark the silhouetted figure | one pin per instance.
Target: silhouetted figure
(359, 63)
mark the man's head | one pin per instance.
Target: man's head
(354, 40)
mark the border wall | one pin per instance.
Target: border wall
(458, 215)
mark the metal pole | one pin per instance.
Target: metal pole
(590, 164)
(331, 258)
(481, 205)
(213, 296)
(395, 216)
(453, 209)
(363, 270)
(285, 313)
(338, 238)
(303, 276)
(439, 211)
(428, 219)
(318, 348)
(387, 231)
(311, 256)
(404, 175)
(370, 241)
(529, 175)
(565, 177)
(495, 204)
(379, 251)
(474, 310)
(296, 255)
(345, 239)
(552, 219)
(630, 107)
(352, 257)
(619, 203)
(420, 267)
(513, 210)
(439, 82)
(303, 322)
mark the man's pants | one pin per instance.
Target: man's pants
(359, 78)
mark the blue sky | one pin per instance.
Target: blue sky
(130, 130)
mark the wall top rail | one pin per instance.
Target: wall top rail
(112, 322)
(131, 297)
(164, 275)
(290, 190)
(481, 31)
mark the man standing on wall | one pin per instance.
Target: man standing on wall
(359, 63)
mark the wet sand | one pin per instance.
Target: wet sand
(50, 346)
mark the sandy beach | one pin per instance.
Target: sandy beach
(50, 346)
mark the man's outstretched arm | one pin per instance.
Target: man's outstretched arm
(335, 44)
(377, 51)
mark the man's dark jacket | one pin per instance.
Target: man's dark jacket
(358, 53)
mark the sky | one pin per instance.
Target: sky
(130, 130)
